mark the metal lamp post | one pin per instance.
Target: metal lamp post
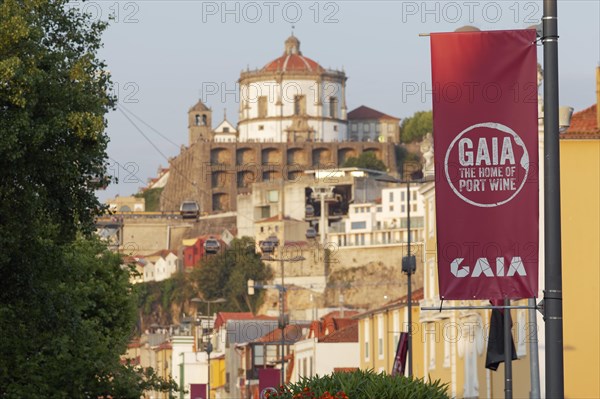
(409, 265)
(282, 321)
(553, 311)
(209, 347)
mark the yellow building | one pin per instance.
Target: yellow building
(580, 207)
(218, 377)
(379, 332)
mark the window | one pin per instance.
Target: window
(402, 196)
(380, 336)
(414, 195)
(414, 207)
(262, 106)
(432, 353)
(354, 127)
(446, 353)
(197, 120)
(335, 128)
(299, 105)
(379, 209)
(225, 130)
(396, 328)
(333, 107)
(391, 208)
(259, 355)
(366, 127)
(367, 338)
(390, 128)
(261, 127)
(358, 225)
(204, 120)
(402, 208)
(391, 196)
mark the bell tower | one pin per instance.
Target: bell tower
(199, 123)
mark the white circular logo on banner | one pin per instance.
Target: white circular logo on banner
(481, 164)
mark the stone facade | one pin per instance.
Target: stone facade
(214, 173)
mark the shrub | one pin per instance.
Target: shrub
(362, 385)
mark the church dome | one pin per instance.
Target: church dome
(292, 60)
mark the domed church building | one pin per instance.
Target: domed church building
(292, 99)
(292, 117)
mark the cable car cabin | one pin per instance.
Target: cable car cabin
(211, 246)
(268, 246)
(311, 232)
(189, 210)
(309, 211)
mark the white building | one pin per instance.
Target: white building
(292, 99)
(193, 364)
(384, 222)
(336, 351)
(165, 267)
(160, 266)
(225, 132)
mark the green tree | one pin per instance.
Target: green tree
(226, 275)
(366, 160)
(65, 302)
(407, 161)
(152, 198)
(416, 127)
(66, 340)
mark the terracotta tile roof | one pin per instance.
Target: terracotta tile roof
(292, 333)
(223, 317)
(337, 314)
(293, 62)
(584, 125)
(364, 112)
(134, 344)
(164, 345)
(417, 295)
(330, 324)
(346, 334)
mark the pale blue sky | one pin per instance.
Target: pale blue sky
(161, 54)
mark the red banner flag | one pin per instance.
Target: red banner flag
(485, 128)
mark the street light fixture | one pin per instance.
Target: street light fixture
(282, 321)
(209, 347)
(409, 265)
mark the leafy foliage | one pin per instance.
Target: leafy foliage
(225, 275)
(66, 309)
(407, 161)
(361, 384)
(70, 342)
(416, 127)
(366, 160)
(152, 198)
